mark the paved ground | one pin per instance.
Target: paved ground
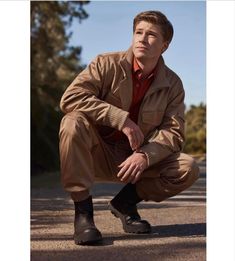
(179, 227)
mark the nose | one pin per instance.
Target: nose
(143, 37)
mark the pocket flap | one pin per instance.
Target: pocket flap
(153, 117)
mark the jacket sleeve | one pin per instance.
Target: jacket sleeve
(83, 95)
(169, 137)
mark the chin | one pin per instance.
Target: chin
(139, 55)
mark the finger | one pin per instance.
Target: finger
(132, 175)
(137, 177)
(131, 141)
(122, 171)
(136, 141)
(128, 172)
(139, 140)
(122, 164)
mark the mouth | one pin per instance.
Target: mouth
(142, 47)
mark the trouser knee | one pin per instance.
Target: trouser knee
(171, 179)
(73, 125)
(192, 170)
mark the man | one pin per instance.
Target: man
(124, 122)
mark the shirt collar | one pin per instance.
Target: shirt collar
(137, 71)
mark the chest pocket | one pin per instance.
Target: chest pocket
(153, 118)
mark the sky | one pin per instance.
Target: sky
(109, 28)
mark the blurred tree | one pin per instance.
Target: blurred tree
(196, 130)
(54, 64)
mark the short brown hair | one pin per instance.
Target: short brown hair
(158, 18)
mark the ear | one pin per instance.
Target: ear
(165, 46)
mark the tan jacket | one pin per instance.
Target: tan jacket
(103, 92)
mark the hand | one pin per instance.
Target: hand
(132, 168)
(133, 133)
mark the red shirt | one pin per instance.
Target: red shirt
(140, 87)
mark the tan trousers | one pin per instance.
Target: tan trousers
(86, 157)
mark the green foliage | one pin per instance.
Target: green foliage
(54, 64)
(196, 130)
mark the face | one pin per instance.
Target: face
(147, 41)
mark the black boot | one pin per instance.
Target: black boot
(123, 206)
(85, 231)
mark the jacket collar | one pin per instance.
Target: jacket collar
(126, 86)
(126, 63)
(160, 80)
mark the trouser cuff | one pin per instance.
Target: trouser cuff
(79, 195)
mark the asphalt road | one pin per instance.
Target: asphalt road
(178, 227)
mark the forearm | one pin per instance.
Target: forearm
(98, 111)
(165, 141)
(85, 95)
(156, 152)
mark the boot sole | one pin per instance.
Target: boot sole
(127, 228)
(86, 239)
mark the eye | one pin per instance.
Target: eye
(138, 32)
(152, 35)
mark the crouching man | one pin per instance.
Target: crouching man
(124, 122)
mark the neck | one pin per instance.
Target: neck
(147, 66)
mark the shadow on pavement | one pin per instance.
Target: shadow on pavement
(151, 251)
(176, 230)
(180, 230)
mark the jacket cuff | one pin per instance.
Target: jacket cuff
(155, 152)
(116, 117)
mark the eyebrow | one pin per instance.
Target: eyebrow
(149, 31)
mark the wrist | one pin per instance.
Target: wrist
(125, 123)
(144, 155)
